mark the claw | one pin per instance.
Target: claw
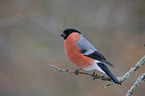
(93, 75)
(76, 72)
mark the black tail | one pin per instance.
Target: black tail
(108, 72)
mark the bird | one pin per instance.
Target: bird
(84, 55)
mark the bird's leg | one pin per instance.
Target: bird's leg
(77, 71)
(93, 75)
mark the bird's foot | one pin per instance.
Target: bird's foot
(77, 71)
(93, 75)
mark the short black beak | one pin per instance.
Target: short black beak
(63, 35)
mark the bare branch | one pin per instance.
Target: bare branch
(71, 71)
(139, 80)
(121, 79)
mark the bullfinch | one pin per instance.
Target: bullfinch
(84, 55)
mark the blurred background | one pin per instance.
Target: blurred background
(30, 40)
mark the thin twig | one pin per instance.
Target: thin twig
(71, 71)
(139, 80)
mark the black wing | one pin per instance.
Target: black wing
(97, 56)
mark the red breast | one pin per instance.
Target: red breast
(73, 51)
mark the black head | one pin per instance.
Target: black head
(67, 32)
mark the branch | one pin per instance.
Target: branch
(139, 79)
(130, 72)
(71, 71)
(121, 79)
